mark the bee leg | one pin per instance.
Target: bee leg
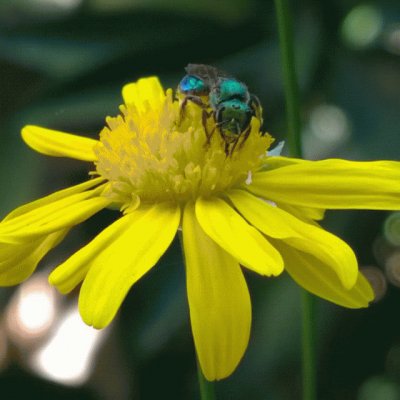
(245, 136)
(256, 107)
(235, 142)
(237, 138)
(227, 151)
(182, 109)
(194, 99)
(226, 140)
(204, 117)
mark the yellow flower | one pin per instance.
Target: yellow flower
(247, 209)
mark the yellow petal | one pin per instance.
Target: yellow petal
(70, 273)
(12, 254)
(9, 252)
(115, 269)
(36, 215)
(16, 269)
(305, 213)
(308, 238)
(61, 194)
(59, 144)
(280, 161)
(144, 92)
(261, 214)
(219, 301)
(317, 278)
(37, 223)
(332, 184)
(230, 231)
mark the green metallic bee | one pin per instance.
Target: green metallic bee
(224, 98)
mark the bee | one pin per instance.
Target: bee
(223, 97)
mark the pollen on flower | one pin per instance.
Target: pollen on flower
(153, 153)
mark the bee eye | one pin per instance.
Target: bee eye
(191, 84)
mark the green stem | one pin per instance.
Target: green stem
(295, 148)
(289, 77)
(308, 346)
(207, 391)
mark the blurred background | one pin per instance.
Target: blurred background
(62, 65)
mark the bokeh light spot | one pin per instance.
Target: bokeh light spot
(362, 26)
(379, 387)
(377, 280)
(68, 355)
(392, 268)
(392, 40)
(391, 228)
(31, 311)
(329, 123)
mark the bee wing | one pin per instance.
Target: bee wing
(206, 72)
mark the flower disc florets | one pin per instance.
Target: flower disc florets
(156, 152)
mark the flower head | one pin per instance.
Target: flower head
(246, 209)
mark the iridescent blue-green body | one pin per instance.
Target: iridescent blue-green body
(233, 117)
(221, 96)
(228, 89)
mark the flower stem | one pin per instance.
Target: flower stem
(289, 77)
(308, 346)
(295, 148)
(207, 391)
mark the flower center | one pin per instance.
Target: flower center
(155, 152)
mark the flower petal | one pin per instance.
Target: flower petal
(144, 92)
(115, 269)
(219, 301)
(332, 184)
(21, 265)
(61, 194)
(71, 272)
(317, 278)
(37, 222)
(59, 144)
(261, 214)
(307, 214)
(306, 237)
(230, 231)
(273, 162)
